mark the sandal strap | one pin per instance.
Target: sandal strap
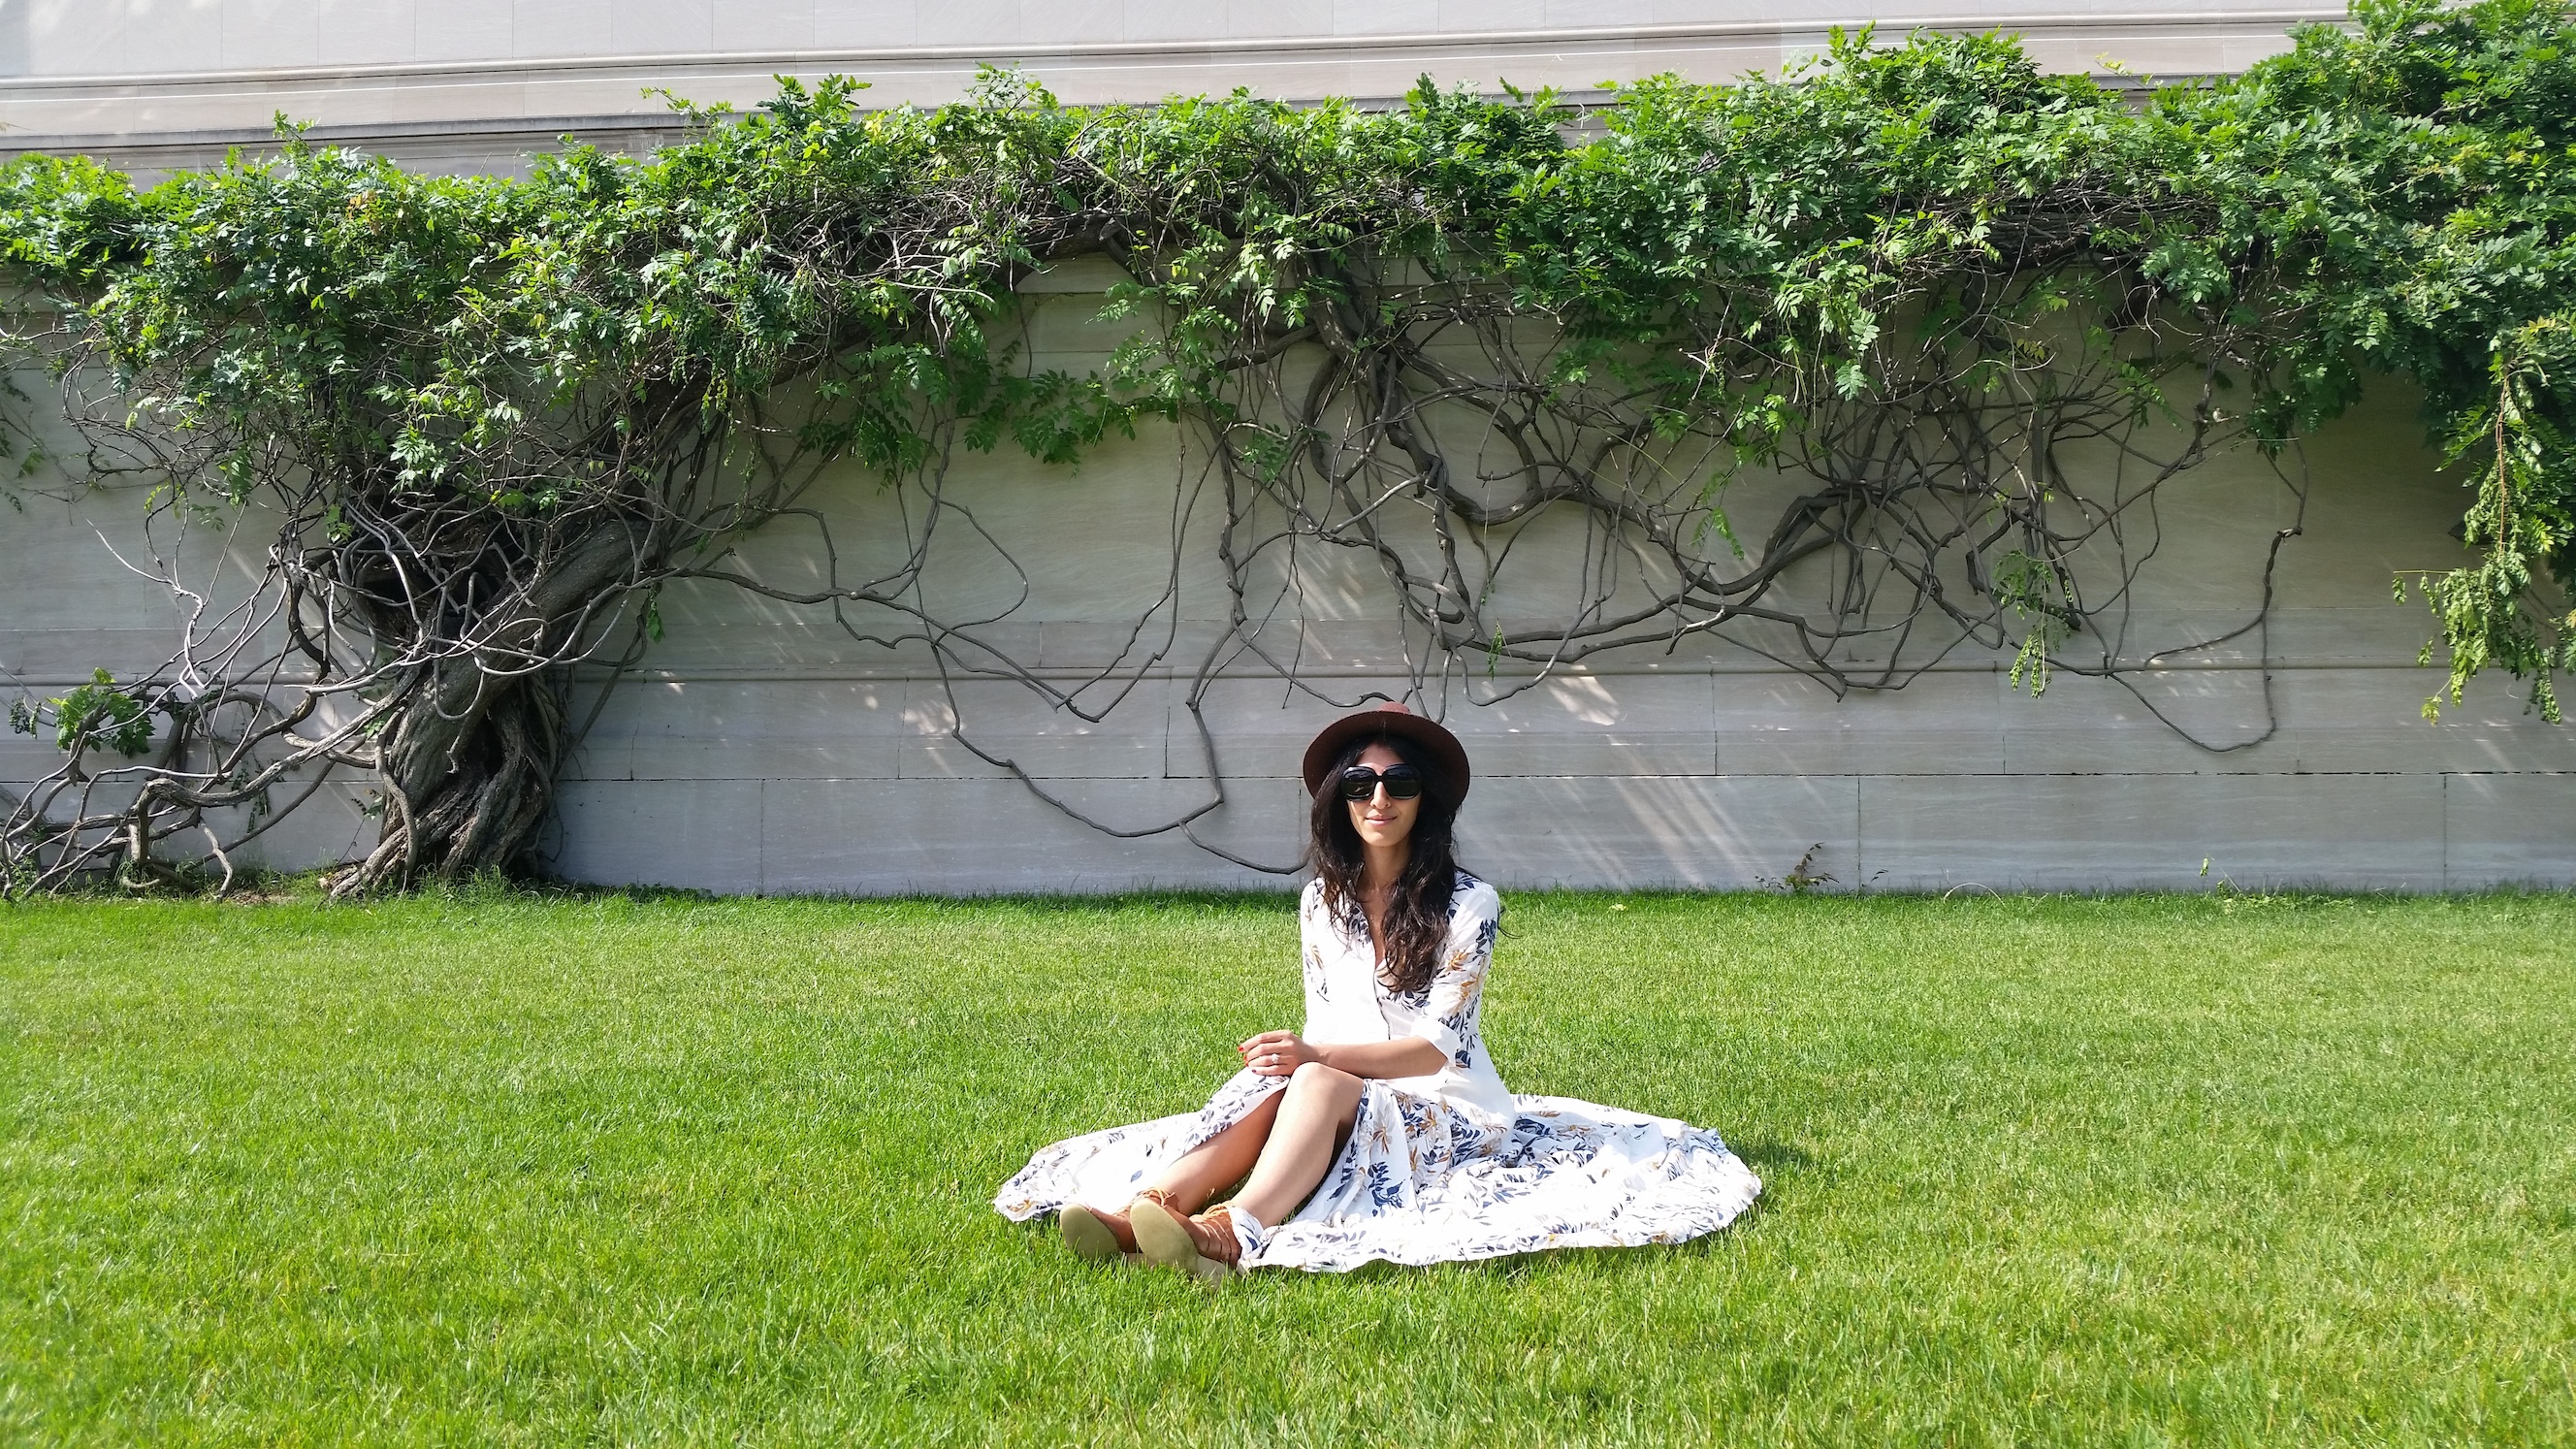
(1220, 1221)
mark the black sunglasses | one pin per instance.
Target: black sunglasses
(1402, 782)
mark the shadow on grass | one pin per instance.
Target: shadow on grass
(1536, 1266)
(1767, 1157)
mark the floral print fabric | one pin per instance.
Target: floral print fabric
(1442, 1167)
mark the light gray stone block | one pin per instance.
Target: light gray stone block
(1260, 727)
(2330, 720)
(1067, 329)
(1328, 643)
(1153, 20)
(1493, 14)
(1385, 17)
(330, 827)
(395, 107)
(1728, 832)
(1594, 14)
(1078, 22)
(102, 794)
(1582, 724)
(763, 24)
(697, 834)
(123, 37)
(1786, 724)
(977, 836)
(2377, 633)
(1009, 721)
(645, 26)
(864, 24)
(2081, 725)
(260, 34)
(1264, 820)
(995, 23)
(2509, 830)
(27, 758)
(49, 660)
(357, 32)
(2372, 719)
(1160, 643)
(738, 730)
(2126, 832)
(461, 30)
(1250, 18)
(545, 28)
(704, 644)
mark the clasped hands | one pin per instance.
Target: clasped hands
(1277, 1053)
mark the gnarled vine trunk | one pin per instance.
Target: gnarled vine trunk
(474, 739)
(465, 794)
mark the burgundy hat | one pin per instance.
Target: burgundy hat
(1390, 718)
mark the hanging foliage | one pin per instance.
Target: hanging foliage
(1858, 367)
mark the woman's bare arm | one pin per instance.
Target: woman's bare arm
(1278, 1053)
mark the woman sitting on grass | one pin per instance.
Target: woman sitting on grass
(1384, 1117)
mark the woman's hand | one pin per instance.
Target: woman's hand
(1277, 1053)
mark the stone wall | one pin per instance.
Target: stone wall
(764, 748)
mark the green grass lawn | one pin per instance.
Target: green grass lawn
(494, 1168)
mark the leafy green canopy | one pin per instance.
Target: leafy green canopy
(445, 377)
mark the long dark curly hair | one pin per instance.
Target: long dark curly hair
(1417, 914)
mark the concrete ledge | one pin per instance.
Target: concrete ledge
(484, 114)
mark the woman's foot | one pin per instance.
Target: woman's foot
(1203, 1246)
(1101, 1236)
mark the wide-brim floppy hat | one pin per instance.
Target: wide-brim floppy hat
(1447, 755)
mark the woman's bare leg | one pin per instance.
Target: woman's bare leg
(1221, 1161)
(1312, 1115)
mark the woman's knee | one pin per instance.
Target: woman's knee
(1317, 1079)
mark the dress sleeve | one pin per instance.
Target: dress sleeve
(1310, 954)
(1457, 994)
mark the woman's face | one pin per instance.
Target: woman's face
(1381, 820)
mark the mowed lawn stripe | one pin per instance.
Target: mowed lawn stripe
(527, 1169)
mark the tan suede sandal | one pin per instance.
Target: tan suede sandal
(1204, 1246)
(1103, 1237)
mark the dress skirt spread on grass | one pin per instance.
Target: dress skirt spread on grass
(1439, 1168)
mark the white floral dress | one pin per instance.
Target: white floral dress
(1440, 1167)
